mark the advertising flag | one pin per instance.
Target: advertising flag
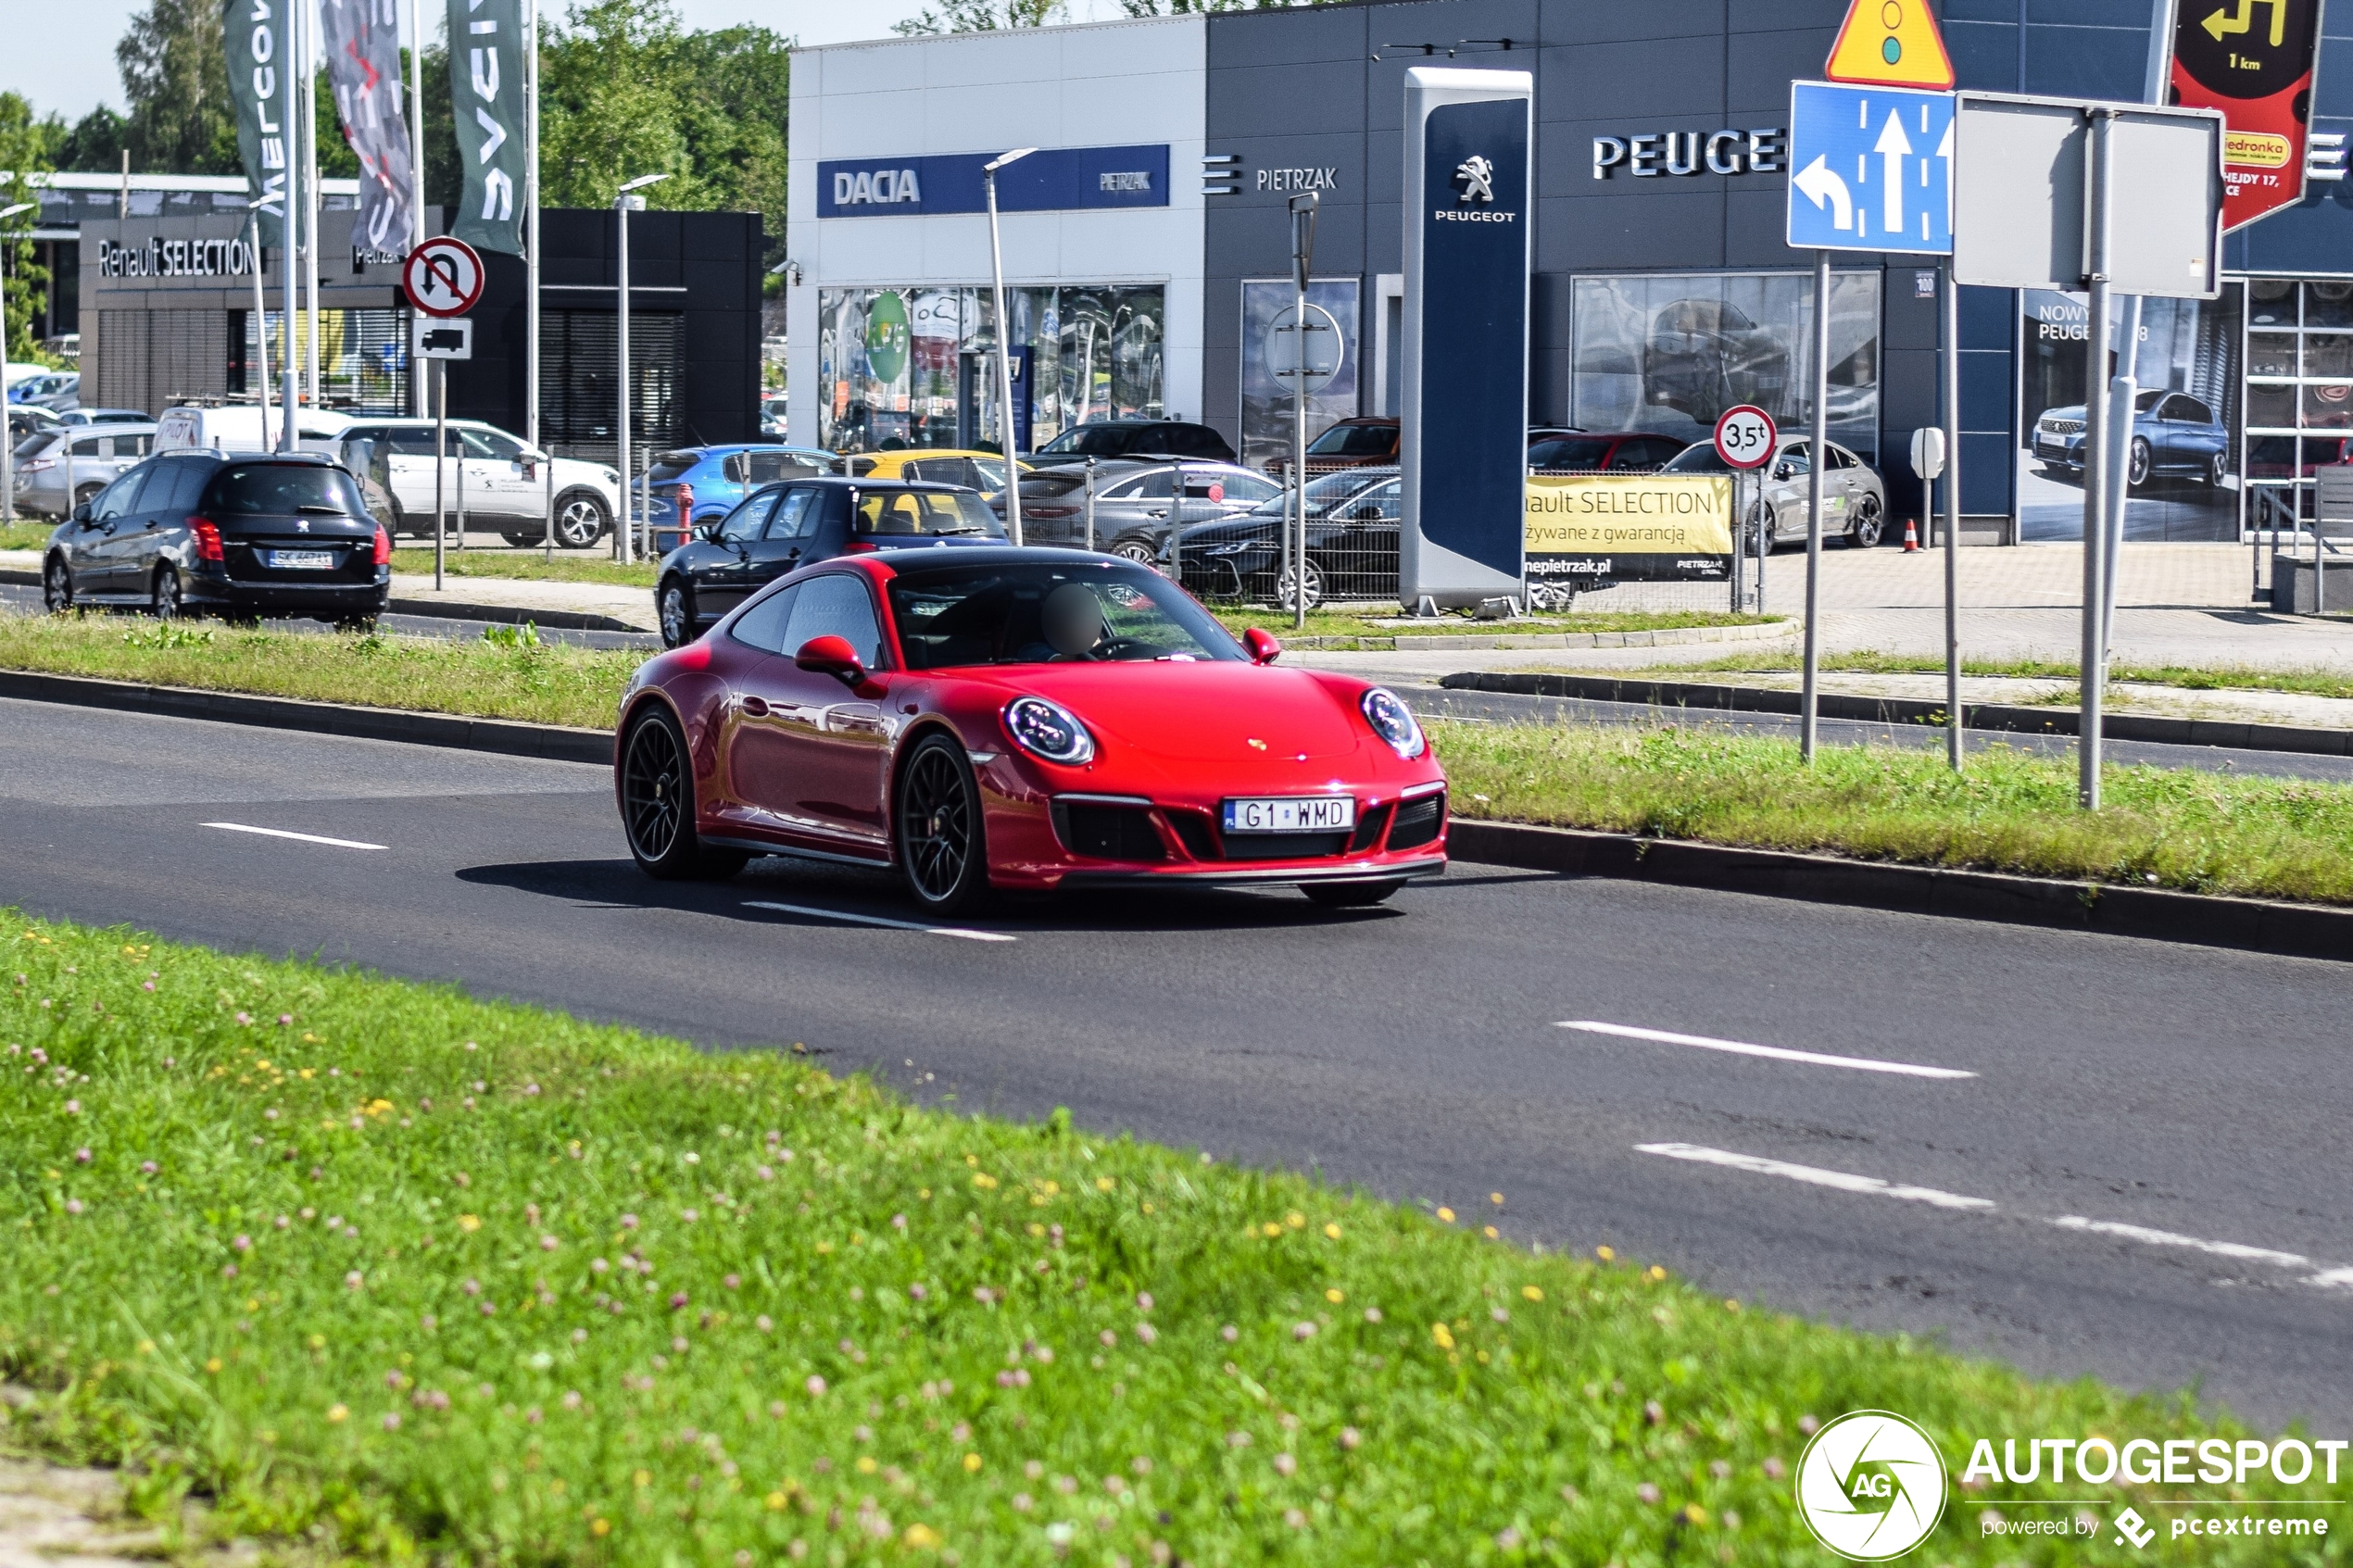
(485, 90)
(363, 63)
(253, 40)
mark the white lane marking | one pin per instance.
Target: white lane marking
(1776, 1053)
(1815, 1175)
(2327, 1278)
(298, 838)
(968, 935)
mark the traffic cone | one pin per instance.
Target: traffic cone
(1911, 537)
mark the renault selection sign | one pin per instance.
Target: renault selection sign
(1589, 528)
(1464, 383)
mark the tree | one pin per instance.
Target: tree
(985, 15)
(177, 83)
(24, 151)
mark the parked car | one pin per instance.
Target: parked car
(78, 415)
(239, 427)
(1596, 451)
(1702, 356)
(1352, 545)
(2173, 434)
(1133, 438)
(694, 484)
(1136, 503)
(249, 535)
(782, 528)
(984, 471)
(27, 419)
(67, 464)
(1366, 441)
(1854, 501)
(501, 482)
(50, 391)
(772, 418)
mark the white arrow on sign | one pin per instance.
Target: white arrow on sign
(1893, 147)
(1822, 186)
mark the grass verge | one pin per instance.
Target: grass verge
(525, 565)
(428, 1279)
(546, 683)
(22, 534)
(2206, 677)
(2191, 829)
(1326, 624)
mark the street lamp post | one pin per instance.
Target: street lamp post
(626, 202)
(260, 308)
(7, 436)
(1004, 345)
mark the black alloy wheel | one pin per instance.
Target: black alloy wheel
(1762, 520)
(56, 586)
(581, 520)
(674, 608)
(1350, 895)
(2218, 469)
(2136, 466)
(163, 599)
(1869, 523)
(939, 845)
(657, 804)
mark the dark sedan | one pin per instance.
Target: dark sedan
(245, 536)
(781, 528)
(1351, 546)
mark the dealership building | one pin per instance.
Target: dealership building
(1146, 243)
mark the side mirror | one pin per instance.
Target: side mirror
(831, 655)
(82, 513)
(1264, 648)
(1784, 471)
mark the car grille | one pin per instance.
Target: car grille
(1285, 845)
(1368, 830)
(1418, 822)
(1108, 832)
(2062, 427)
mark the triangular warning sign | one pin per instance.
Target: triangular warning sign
(1890, 43)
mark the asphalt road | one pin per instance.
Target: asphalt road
(2195, 1097)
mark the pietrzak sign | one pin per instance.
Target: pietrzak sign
(1591, 528)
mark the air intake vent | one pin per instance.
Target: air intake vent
(1109, 832)
(1418, 823)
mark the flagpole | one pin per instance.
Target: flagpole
(531, 240)
(310, 195)
(417, 173)
(290, 230)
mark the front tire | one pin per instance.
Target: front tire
(1135, 548)
(675, 609)
(2217, 469)
(937, 828)
(1285, 597)
(581, 519)
(1350, 895)
(56, 586)
(1762, 520)
(2136, 466)
(657, 804)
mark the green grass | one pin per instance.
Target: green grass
(24, 535)
(2191, 829)
(526, 565)
(2204, 678)
(548, 684)
(1326, 624)
(378, 1269)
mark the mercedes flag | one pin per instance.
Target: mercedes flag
(486, 90)
(364, 62)
(253, 37)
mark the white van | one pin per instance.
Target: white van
(238, 428)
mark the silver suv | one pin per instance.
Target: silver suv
(59, 468)
(1134, 503)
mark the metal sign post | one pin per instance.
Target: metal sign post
(1303, 258)
(1818, 459)
(440, 465)
(1745, 437)
(441, 341)
(1950, 308)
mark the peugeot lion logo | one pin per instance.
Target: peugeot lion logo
(1478, 176)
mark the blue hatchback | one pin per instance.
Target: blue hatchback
(2173, 435)
(713, 480)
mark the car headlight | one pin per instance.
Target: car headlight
(1049, 730)
(612, 476)
(1394, 722)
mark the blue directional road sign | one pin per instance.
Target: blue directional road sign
(1871, 168)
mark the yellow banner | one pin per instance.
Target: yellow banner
(1585, 514)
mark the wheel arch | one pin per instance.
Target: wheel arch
(910, 738)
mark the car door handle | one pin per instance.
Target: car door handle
(1149, 512)
(756, 707)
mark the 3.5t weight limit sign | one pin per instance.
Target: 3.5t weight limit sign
(442, 277)
(1745, 437)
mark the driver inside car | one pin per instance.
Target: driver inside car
(1071, 620)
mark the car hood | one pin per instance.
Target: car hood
(1211, 711)
(2074, 411)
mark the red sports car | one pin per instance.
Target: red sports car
(995, 717)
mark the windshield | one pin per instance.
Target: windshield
(926, 512)
(1570, 452)
(1701, 458)
(1095, 440)
(2148, 400)
(278, 489)
(1076, 612)
(1354, 441)
(671, 465)
(1324, 494)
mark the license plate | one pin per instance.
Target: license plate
(303, 560)
(1311, 813)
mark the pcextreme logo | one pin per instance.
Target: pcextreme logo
(1871, 1486)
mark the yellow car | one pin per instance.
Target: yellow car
(984, 471)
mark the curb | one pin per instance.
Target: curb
(506, 737)
(508, 615)
(2305, 931)
(1992, 716)
(1672, 636)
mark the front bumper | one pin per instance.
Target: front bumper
(2060, 451)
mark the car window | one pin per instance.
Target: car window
(766, 467)
(1126, 490)
(410, 442)
(1354, 441)
(672, 465)
(2187, 410)
(951, 615)
(496, 446)
(94, 447)
(762, 626)
(917, 513)
(1840, 457)
(744, 523)
(175, 487)
(281, 489)
(1569, 452)
(1158, 486)
(1248, 488)
(835, 606)
(1097, 441)
(1699, 458)
(795, 515)
(1794, 459)
(122, 497)
(1377, 505)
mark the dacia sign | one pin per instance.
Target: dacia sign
(886, 187)
(1050, 180)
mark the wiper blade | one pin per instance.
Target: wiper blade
(319, 506)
